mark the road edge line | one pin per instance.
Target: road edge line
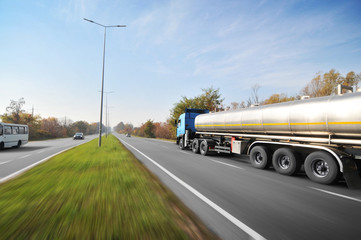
(220, 210)
(336, 194)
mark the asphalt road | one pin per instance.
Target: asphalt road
(14, 161)
(237, 201)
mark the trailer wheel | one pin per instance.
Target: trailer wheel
(203, 148)
(180, 144)
(195, 146)
(260, 157)
(285, 161)
(321, 167)
(1, 146)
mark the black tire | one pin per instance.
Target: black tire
(19, 144)
(180, 144)
(321, 167)
(195, 146)
(285, 161)
(203, 148)
(260, 157)
(1, 146)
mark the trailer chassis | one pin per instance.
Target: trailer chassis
(325, 160)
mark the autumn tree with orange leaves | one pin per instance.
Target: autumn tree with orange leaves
(45, 128)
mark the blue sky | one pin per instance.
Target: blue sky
(52, 58)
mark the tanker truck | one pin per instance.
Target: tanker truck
(321, 134)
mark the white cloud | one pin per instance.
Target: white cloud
(145, 23)
(73, 10)
(269, 44)
(160, 68)
(163, 22)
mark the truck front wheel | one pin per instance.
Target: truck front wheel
(181, 144)
(260, 157)
(203, 148)
(321, 167)
(285, 161)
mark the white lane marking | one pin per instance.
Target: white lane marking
(181, 151)
(336, 194)
(4, 179)
(25, 156)
(223, 212)
(212, 160)
(227, 164)
(5, 162)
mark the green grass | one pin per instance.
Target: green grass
(94, 193)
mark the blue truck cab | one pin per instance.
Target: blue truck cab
(185, 123)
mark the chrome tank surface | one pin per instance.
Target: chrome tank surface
(332, 115)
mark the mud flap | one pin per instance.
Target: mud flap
(351, 173)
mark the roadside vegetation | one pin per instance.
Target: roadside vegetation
(45, 128)
(94, 193)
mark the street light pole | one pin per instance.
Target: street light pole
(101, 99)
(106, 112)
(108, 108)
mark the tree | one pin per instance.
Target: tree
(149, 129)
(330, 80)
(254, 99)
(210, 99)
(139, 131)
(52, 128)
(17, 115)
(162, 130)
(326, 84)
(352, 79)
(79, 126)
(314, 88)
(184, 103)
(128, 128)
(34, 123)
(15, 110)
(45, 128)
(124, 128)
(92, 128)
(119, 127)
(278, 98)
(235, 105)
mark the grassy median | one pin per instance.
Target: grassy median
(94, 193)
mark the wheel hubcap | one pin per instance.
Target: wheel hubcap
(284, 162)
(320, 168)
(259, 158)
(203, 147)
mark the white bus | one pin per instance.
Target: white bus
(13, 135)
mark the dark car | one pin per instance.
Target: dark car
(78, 135)
(127, 135)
